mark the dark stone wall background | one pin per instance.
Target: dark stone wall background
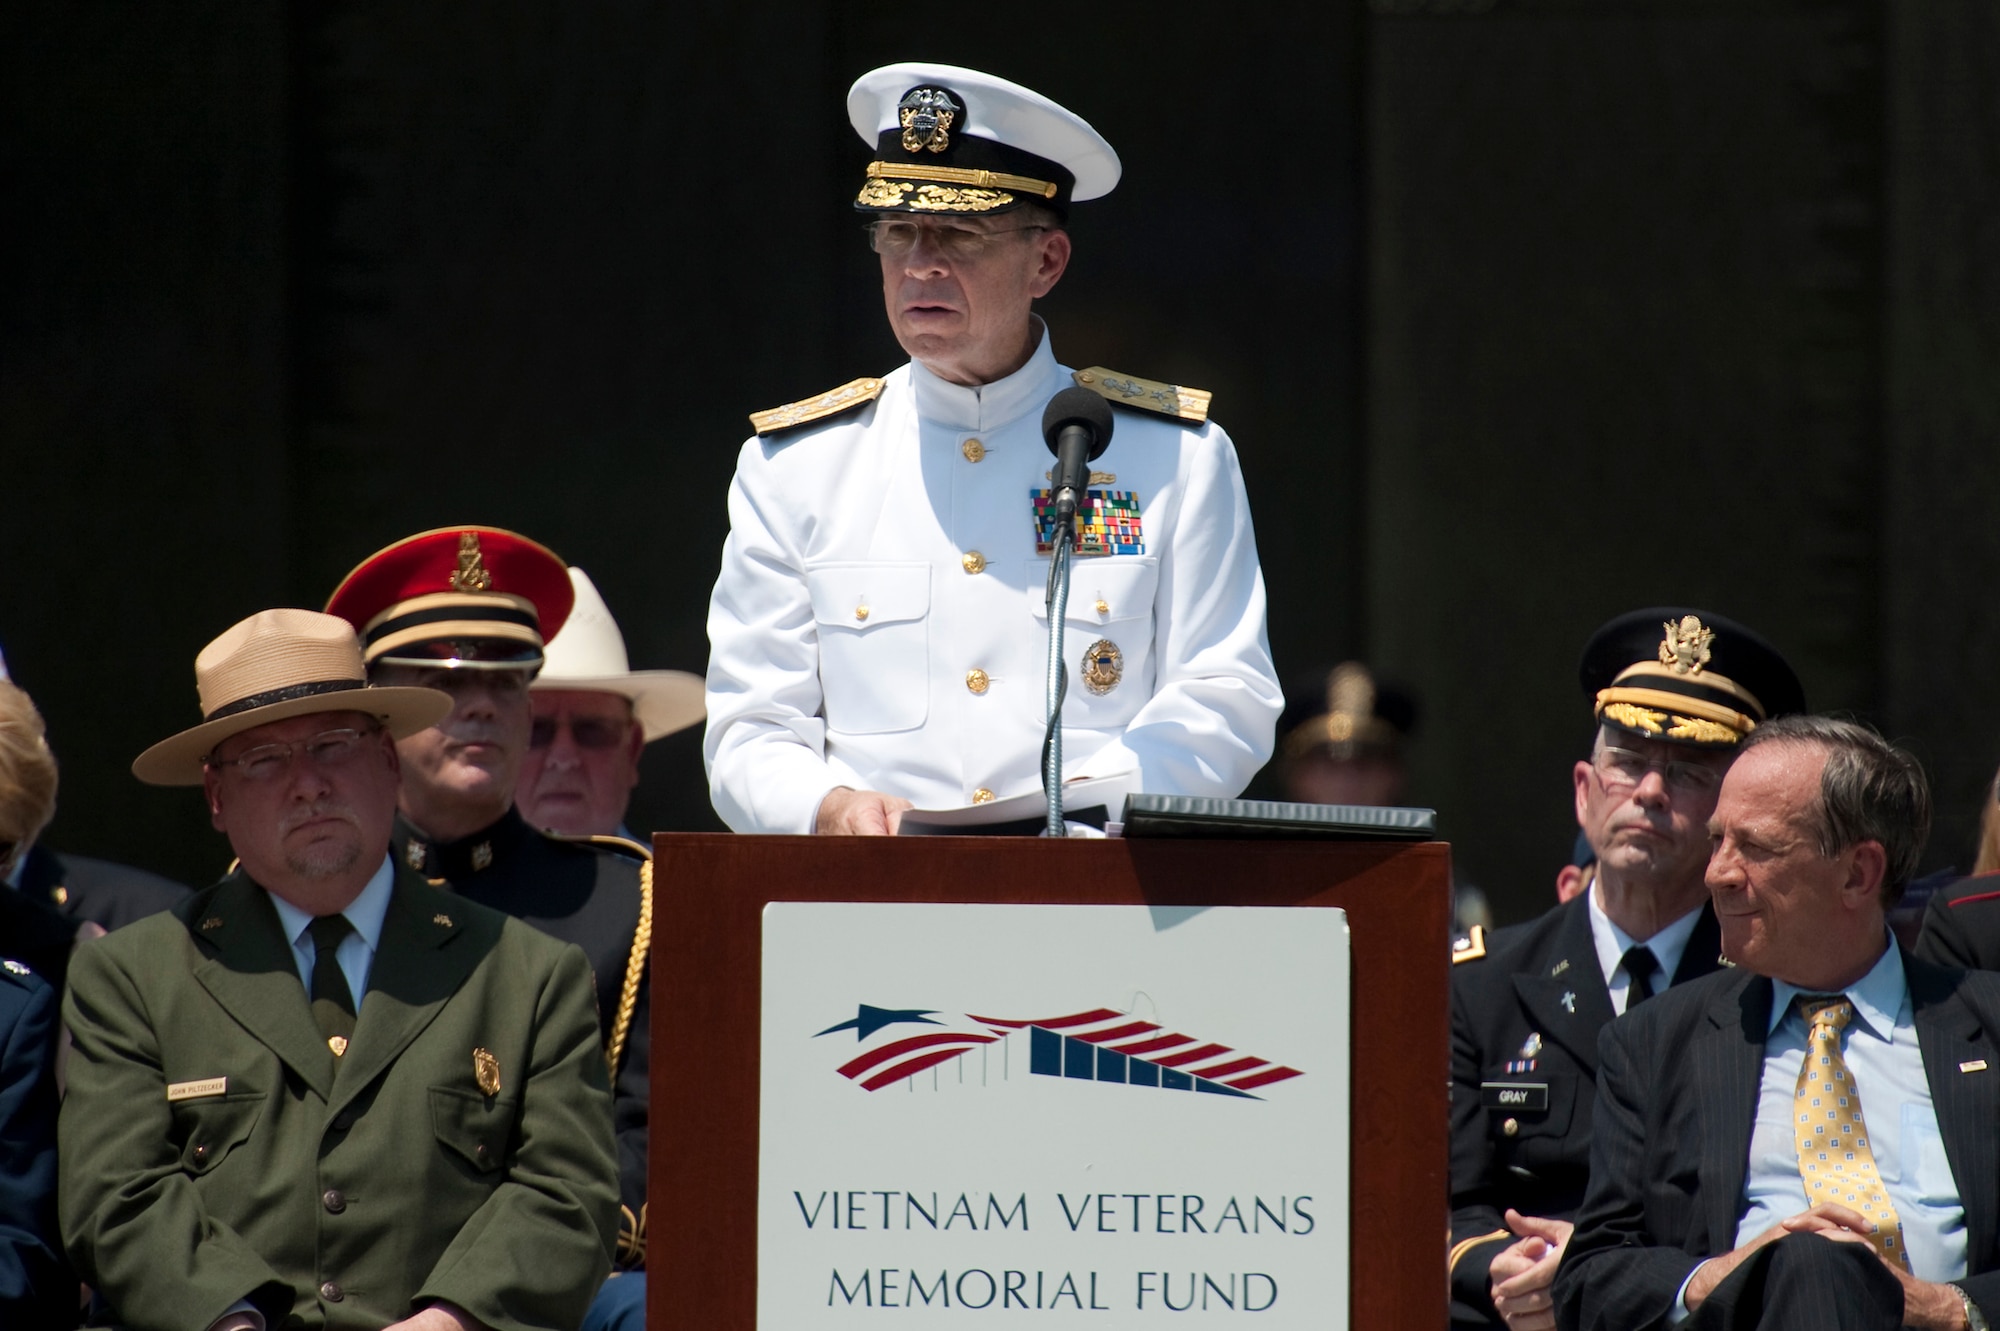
(1521, 312)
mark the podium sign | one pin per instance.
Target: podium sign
(1061, 1110)
(1039, 1140)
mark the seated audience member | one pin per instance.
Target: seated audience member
(324, 1092)
(593, 714)
(53, 896)
(1962, 922)
(1673, 692)
(37, 1289)
(1808, 1140)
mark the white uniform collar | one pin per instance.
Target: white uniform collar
(993, 405)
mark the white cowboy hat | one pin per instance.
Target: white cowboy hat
(275, 665)
(588, 655)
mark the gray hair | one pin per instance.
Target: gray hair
(1869, 790)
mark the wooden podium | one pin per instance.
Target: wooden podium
(709, 898)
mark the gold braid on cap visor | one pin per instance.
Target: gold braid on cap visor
(958, 175)
(1672, 715)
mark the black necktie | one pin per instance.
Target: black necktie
(332, 1001)
(1640, 965)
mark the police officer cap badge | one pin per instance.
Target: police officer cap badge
(950, 140)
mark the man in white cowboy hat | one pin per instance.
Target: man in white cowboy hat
(322, 1091)
(594, 715)
(878, 632)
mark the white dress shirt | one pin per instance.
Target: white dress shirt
(876, 561)
(357, 951)
(1667, 947)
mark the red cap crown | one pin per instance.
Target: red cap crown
(438, 595)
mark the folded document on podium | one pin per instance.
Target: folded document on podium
(1205, 816)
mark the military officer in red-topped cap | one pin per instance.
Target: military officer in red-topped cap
(467, 610)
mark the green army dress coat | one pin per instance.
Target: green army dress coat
(213, 1149)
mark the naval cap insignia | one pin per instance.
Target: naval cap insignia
(1103, 666)
(1684, 649)
(471, 574)
(926, 115)
(486, 1070)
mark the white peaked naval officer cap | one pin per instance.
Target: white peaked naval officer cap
(953, 140)
(588, 656)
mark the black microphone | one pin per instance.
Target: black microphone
(1077, 428)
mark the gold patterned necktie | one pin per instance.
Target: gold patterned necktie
(1836, 1163)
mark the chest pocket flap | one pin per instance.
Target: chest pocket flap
(1125, 586)
(862, 597)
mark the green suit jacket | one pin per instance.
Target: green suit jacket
(214, 1150)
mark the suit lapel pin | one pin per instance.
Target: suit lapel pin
(337, 1043)
(1975, 1065)
(1531, 1046)
(1568, 1000)
(1559, 968)
(212, 922)
(482, 855)
(486, 1071)
(442, 919)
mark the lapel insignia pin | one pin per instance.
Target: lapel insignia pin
(1532, 1045)
(1569, 1002)
(441, 918)
(1103, 666)
(482, 855)
(1559, 968)
(1976, 1065)
(14, 967)
(212, 922)
(486, 1070)
(413, 853)
(337, 1043)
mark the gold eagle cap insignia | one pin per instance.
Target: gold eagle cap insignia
(486, 1070)
(807, 411)
(1129, 390)
(1684, 649)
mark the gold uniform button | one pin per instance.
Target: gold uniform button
(1511, 1128)
(861, 612)
(977, 681)
(973, 450)
(982, 796)
(1103, 606)
(973, 561)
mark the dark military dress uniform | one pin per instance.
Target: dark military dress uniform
(97, 891)
(37, 1288)
(1962, 924)
(583, 893)
(1527, 1003)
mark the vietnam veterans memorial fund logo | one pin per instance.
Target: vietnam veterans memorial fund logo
(1098, 1045)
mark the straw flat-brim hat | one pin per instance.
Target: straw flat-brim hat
(275, 665)
(589, 656)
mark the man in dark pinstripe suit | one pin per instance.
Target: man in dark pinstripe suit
(1710, 1201)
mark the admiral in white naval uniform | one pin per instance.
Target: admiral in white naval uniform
(878, 632)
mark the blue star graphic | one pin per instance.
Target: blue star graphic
(869, 1020)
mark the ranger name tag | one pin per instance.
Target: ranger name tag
(1530, 1095)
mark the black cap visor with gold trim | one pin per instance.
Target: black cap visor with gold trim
(1686, 677)
(931, 164)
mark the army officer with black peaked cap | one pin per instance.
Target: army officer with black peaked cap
(878, 632)
(465, 610)
(1673, 691)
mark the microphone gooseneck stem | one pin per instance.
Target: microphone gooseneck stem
(1058, 604)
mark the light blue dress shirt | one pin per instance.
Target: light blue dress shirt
(357, 951)
(1887, 1064)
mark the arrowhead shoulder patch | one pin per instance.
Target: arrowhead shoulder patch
(1127, 390)
(808, 411)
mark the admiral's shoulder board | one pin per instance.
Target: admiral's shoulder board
(1469, 948)
(1126, 390)
(812, 410)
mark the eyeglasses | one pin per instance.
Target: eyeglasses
(1621, 770)
(327, 749)
(959, 244)
(589, 732)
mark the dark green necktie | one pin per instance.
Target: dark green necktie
(332, 1001)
